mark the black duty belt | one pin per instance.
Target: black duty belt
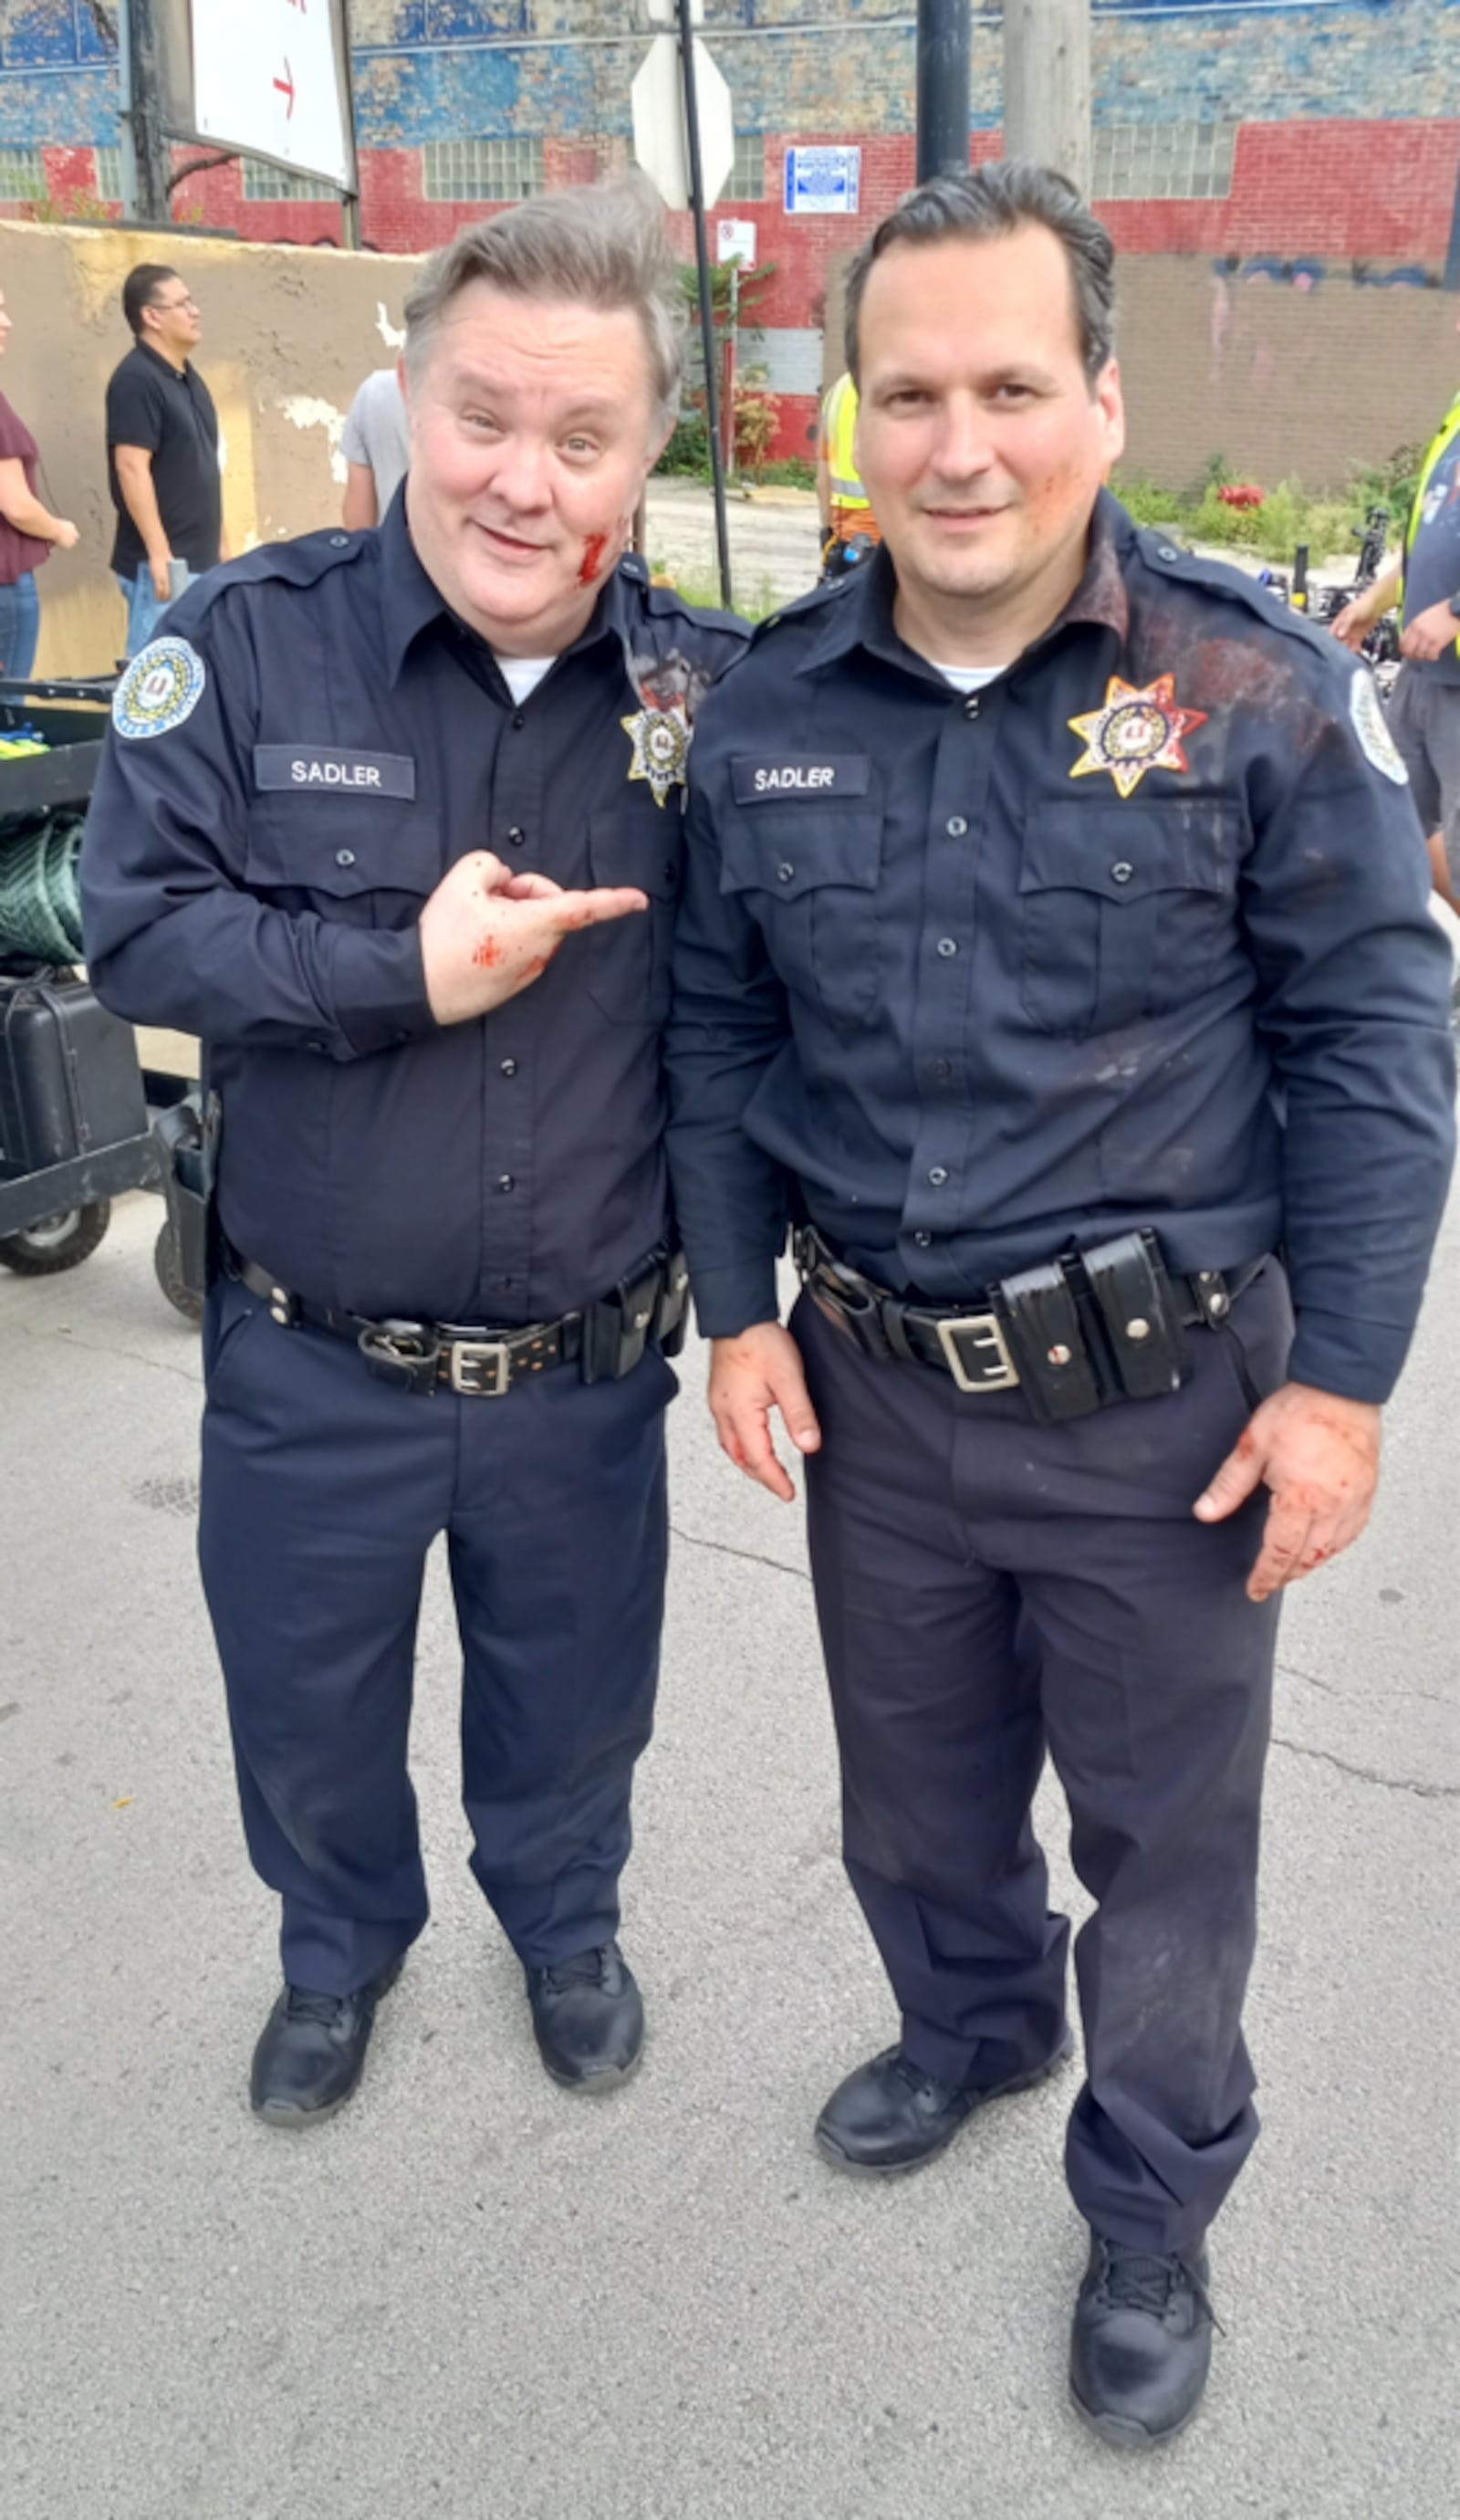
(482, 1361)
(1076, 1334)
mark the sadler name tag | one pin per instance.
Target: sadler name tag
(303, 766)
(769, 778)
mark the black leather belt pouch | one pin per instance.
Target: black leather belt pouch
(1132, 1294)
(1042, 1327)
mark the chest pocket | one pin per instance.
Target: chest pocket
(367, 865)
(1125, 910)
(811, 875)
(634, 842)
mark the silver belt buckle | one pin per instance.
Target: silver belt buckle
(983, 1329)
(469, 1359)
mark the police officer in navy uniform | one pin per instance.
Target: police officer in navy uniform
(393, 820)
(1053, 952)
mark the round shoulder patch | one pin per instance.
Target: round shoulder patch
(1371, 727)
(160, 688)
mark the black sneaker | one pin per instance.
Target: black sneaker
(588, 2018)
(1141, 2343)
(311, 2054)
(890, 2116)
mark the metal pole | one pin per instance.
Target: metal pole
(706, 307)
(349, 203)
(1046, 85)
(146, 157)
(943, 81)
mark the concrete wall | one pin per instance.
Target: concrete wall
(287, 336)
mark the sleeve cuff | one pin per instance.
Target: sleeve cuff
(1353, 1359)
(730, 1301)
(380, 989)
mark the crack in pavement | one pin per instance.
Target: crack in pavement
(751, 1556)
(134, 1356)
(1368, 1776)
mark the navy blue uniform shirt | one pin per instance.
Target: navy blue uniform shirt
(291, 770)
(1135, 935)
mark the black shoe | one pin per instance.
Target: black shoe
(889, 2116)
(311, 2054)
(1141, 2343)
(588, 2018)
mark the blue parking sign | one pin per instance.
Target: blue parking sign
(826, 181)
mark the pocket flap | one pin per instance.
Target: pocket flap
(1125, 853)
(628, 847)
(788, 852)
(320, 844)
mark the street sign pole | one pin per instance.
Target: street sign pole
(146, 159)
(944, 75)
(706, 303)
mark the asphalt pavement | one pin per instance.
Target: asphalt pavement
(472, 2295)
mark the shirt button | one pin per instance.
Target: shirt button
(518, 722)
(339, 542)
(947, 947)
(784, 873)
(971, 705)
(509, 1067)
(941, 1068)
(922, 1240)
(344, 857)
(517, 835)
(1122, 871)
(505, 1181)
(956, 827)
(938, 1176)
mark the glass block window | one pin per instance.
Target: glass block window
(109, 174)
(747, 181)
(483, 170)
(22, 175)
(1163, 162)
(263, 183)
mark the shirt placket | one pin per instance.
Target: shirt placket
(939, 1198)
(508, 1163)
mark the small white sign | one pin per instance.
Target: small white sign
(825, 181)
(736, 241)
(267, 78)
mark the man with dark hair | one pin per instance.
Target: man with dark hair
(1053, 951)
(163, 452)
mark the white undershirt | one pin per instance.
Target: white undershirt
(969, 678)
(522, 674)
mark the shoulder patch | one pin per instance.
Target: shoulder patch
(160, 689)
(1371, 727)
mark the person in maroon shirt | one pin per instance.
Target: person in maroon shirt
(28, 531)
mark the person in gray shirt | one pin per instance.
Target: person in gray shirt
(377, 447)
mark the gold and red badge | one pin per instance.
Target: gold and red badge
(1140, 729)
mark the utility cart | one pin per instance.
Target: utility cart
(80, 1119)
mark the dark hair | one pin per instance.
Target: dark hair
(994, 201)
(139, 289)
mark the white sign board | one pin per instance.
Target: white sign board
(826, 181)
(657, 96)
(736, 241)
(268, 78)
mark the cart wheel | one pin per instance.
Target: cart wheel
(56, 1242)
(170, 1277)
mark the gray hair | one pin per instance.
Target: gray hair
(994, 201)
(597, 244)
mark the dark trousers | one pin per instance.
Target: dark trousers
(322, 1491)
(988, 1589)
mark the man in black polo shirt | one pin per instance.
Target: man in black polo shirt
(161, 450)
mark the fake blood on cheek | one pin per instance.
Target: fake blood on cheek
(593, 559)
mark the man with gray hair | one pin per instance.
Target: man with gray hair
(392, 819)
(1053, 952)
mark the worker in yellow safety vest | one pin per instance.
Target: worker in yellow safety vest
(844, 504)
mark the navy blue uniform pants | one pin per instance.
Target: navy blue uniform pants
(323, 1489)
(989, 1590)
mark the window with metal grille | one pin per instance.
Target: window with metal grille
(1163, 162)
(481, 170)
(22, 175)
(109, 174)
(263, 183)
(747, 181)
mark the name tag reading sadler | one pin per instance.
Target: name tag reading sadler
(354, 774)
(758, 777)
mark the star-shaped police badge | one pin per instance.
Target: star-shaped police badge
(660, 733)
(1140, 729)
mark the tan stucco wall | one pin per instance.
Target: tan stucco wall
(288, 332)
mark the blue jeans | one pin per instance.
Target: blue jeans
(19, 628)
(144, 611)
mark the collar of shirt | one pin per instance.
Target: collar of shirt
(412, 603)
(182, 375)
(864, 616)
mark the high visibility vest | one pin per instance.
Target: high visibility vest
(1443, 438)
(838, 429)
